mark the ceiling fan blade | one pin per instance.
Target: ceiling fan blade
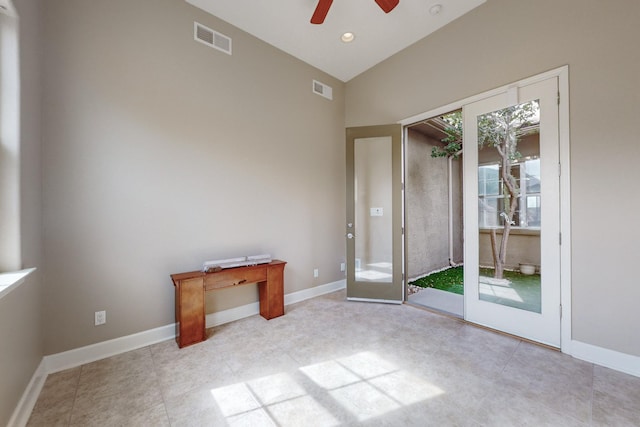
(321, 11)
(387, 5)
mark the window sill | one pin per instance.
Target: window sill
(11, 280)
(514, 231)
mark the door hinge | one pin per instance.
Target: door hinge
(560, 238)
(403, 230)
(561, 311)
(558, 98)
(402, 186)
(559, 169)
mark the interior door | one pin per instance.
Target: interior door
(374, 213)
(512, 212)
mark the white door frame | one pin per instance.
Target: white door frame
(562, 73)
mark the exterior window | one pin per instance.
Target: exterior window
(491, 193)
(10, 258)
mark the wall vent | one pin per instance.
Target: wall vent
(322, 89)
(211, 38)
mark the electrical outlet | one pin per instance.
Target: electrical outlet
(342, 266)
(316, 273)
(101, 317)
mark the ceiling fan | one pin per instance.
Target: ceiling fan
(323, 8)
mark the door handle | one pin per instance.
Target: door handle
(350, 236)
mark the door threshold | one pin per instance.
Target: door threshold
(435, 310)
(466, 322)
(436, 299)
(383, 301)
(527, 340)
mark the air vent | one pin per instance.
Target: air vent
(211, 38)
(322, 89)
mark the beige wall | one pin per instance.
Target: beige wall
(161, 153)
(20, 311)
(503, 41)
(523, 247)
(528, 145)
(21, 350)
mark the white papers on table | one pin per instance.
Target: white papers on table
(237, 262)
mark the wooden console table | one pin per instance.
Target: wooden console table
(190, 288)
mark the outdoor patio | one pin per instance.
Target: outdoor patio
(517, 291)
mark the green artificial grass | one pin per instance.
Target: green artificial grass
(450, 280)
(523, 292)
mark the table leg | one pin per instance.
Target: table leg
(190, 318)
(272, 292)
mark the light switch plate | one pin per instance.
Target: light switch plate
(101, 317)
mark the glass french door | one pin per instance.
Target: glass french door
(373, 230)
(512, 212)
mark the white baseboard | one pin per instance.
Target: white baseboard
(76, 357)
(237, 313)
(608, 358)
(22, 412)
(57, 362)
(316, 291)
(232, 314)
(87, 354)
(91, 353)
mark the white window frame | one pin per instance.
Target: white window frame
(11, 275)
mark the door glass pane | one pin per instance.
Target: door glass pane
(509, 206)
(373, 210)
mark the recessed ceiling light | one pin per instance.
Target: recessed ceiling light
(347, 37)
(435, 9)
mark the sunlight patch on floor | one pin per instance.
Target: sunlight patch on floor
(364, 401)
(330, 375)
(363, 385)
(234, 399)
(276, 388)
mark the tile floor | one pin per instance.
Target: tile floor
(329, 362)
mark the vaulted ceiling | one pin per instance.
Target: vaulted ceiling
(285, 25)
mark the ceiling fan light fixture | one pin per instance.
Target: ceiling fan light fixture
(321, 10)
(435, 9)
(347, 37)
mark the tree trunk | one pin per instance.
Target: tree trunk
(506, 149)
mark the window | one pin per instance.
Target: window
(10, 259)
(491, 194)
